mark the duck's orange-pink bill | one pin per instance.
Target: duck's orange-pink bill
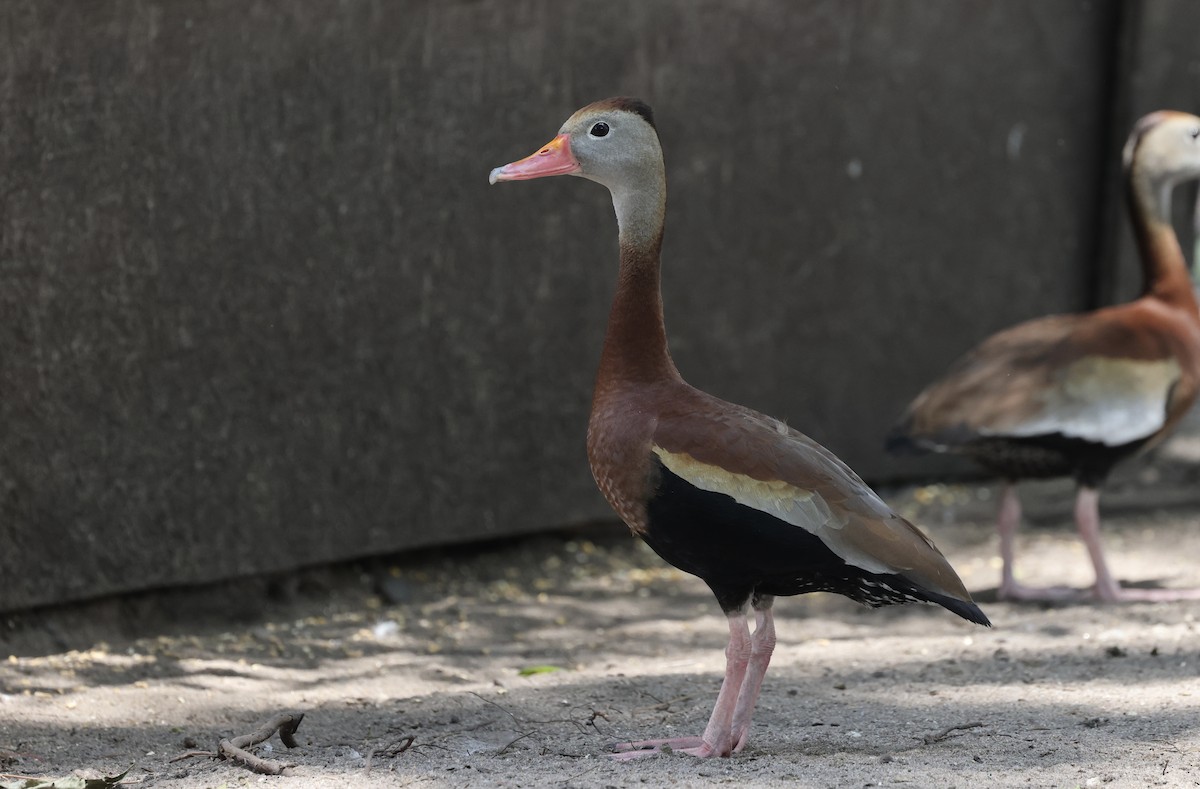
(553, 158)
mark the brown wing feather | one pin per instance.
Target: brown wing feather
(772, 467)
(1047, 369)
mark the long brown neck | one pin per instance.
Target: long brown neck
(1163, 265)
(635, 345)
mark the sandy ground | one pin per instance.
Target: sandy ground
(430, 650)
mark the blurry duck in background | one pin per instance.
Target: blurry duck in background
(1073, 395)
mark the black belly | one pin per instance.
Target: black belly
(1046, 456)
(743, 553)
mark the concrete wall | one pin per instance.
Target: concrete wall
(261, 308)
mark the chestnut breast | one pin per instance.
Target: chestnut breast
(619, 450)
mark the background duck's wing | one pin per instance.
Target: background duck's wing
(1104, 377)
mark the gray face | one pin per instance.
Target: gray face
(613, 147)
(1170, 152)
(618, 148)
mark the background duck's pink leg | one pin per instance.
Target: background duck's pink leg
(762, 644)
(1107, 589)
(1008, 520)
(1087, 521)
(717, 739)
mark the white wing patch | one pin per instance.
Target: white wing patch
(1104, 400)
(797, 506)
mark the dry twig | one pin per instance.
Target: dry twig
(285, 723)
(929, 739)
(494, 704)
(393, 750)
(661, 706)
(514, 741)
(193, 755)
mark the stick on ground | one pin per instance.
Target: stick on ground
(285, 723)
(930, 739)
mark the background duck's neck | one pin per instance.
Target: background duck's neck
(1163, 265)
(635, 345)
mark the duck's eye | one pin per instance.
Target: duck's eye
(599, 130)
(1196, 133)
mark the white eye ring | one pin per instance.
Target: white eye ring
(599, 129)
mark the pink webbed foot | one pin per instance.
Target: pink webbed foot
(1111, 592)
(692, 746)
(1011, 590)
(1115, 593)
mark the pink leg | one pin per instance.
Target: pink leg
(717, 739)
(1087, 520)
(762, 644)
(1008, 520)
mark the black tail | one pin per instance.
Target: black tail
(964, 608)
(879, 589)
(900, 442)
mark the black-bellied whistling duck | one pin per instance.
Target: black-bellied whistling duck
(751, 506)
(1074, 394)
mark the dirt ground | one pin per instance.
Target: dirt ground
(520, 664)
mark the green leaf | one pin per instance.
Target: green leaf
(70, 782)
(529, 671)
